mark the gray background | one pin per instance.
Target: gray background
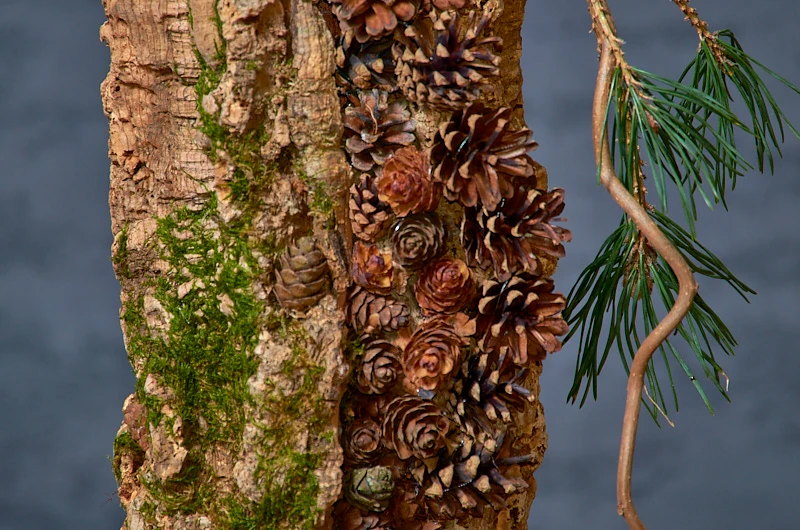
(63, 370)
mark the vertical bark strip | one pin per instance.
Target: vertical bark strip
(224, 140)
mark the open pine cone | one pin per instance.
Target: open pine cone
(494, 385)
(511, 238)
(370, 313)
(443, 61)
(380, 367)
(405, 183)
(371, 268)
(374, 128)
(521, 318)
(369, 217)
(417, 240)
(372, 19)
(303, 275)
(445, 286)
(481, 156)
(366, 65)
(349, 517)
(415, 427)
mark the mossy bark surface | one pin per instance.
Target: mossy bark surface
(225, 145)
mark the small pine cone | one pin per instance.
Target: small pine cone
(374, 128)
(522, 317)
(445, 286)
(494, 385)
(366, 65)
(369, 217)
(417, 240)
(405, 183)
(448, 5)
(415, 427)
(370, 488)
(380, 367)
(433, 354)
(372, 19)
(361, 441)
(371, 268)
(349, 517)
(443, 61)
(372, 312)
(512, 238)
(303, 276)
(481, 156)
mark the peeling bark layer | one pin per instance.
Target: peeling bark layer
(225, 133)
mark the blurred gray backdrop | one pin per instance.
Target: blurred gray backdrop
(63, 369)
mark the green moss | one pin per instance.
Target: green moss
(120, 257)
(290, 499)
(124, 443)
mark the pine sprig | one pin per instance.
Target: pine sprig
(687, 130)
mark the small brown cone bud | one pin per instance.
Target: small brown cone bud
(405, 183)
(380, 367)
(417, 240)
(415, 427)
(361, 441)
(371, 268)
(434, 352)
(370, 313)
(369, 217)
(446, 286)
(523, 315)
(303, 276)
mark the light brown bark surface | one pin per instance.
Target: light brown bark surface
(176, 181)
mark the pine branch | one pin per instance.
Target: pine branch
(688, 131)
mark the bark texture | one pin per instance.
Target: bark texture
(225, 146)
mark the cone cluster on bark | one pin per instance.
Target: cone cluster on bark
(448, 325)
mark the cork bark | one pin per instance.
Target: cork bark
(225, 146)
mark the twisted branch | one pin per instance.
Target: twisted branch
(609, 57)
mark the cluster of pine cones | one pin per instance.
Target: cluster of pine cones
(447, 327)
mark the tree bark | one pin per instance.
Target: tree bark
(225, 146)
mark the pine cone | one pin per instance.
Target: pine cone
(374, 128)
(380, 367)
(415, 427)
(349, 517)
(303, 276)
(433, 353)
(494, 385)
(480, 156)
(405, 183)
(443, 62)
(372, 312)
(417, 240)
(361, 441)
(372, 19)
(369, 217)
(512, 238)
(370, 488)
(445, 286)
(371, 268)
(521, 316)
(366, 65)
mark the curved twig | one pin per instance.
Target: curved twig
(687, 284)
